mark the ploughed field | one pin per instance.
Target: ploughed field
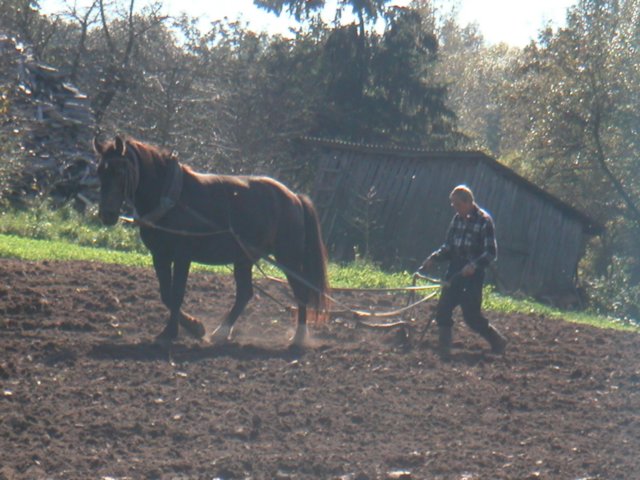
(84, 393)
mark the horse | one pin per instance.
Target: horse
(186, 217)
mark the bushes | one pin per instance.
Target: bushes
(616, 293)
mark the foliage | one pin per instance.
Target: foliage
(496, 302)
(22, 18)
(478, 79)
(617, 293)
(574, 97)
(299, 9)
(263, 93)
(387, 92)
(365, 10)
(409, 105)
(234, 101)
(583, 110)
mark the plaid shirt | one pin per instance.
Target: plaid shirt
(471, 240)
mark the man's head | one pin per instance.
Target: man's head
(462, 200)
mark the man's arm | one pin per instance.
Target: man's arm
(489, 245)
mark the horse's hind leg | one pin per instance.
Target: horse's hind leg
(302, 332)
(289, 254)
(301, 293)
(244, 292)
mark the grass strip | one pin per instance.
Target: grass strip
(355, 275)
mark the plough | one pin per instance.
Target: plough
(362, 317)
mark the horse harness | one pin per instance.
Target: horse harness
(170, 198)
(170, 192)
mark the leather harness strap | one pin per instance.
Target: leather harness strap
(171, 191)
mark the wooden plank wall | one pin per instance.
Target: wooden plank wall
(539, 245)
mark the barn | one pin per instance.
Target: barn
(391, 204)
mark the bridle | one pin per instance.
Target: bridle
(131, 179)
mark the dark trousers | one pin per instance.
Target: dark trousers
(466, 292)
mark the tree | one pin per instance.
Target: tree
(478, 80)
(121, 38)
(364, 10)
(84, 18)
(581, 91)
(406, 101)
(582, 99)
(391, 95)
(22, 19)
(275, 99)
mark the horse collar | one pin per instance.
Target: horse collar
(170, 195)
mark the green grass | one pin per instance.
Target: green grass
(501, 303)
(65, 235)
(67, 225)
(362, 274)
(12, 246)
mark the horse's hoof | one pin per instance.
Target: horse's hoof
(167, 336)
(192, 326)
(163, 340)
(220, 335)
(299, 340)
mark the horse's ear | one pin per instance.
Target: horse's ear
(121, 146)
(97, 146)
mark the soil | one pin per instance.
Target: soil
(84, 392)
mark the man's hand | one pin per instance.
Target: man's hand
(468, 270)
(423, 268)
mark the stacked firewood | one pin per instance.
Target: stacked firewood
(55, 128)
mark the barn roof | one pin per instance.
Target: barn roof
(590, 225)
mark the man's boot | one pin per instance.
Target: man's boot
(496, 340)
(444, 342)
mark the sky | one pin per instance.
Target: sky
(515, 22)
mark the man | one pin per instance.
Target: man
(470, 246)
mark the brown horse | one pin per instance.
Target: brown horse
(186, 216)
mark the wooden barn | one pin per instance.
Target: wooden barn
(392, 204)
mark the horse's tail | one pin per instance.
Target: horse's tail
(315, 256)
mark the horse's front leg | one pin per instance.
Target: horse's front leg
(244, 292)
(192, 325)
(162, 266)
(172, 289)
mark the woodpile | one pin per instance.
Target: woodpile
(56, 127)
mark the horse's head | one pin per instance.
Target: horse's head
(117, 172)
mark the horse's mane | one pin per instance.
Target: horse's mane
(149, 151)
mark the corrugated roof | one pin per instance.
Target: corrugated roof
(590, 225)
